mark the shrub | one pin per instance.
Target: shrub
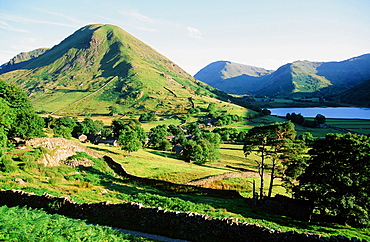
(7, 164)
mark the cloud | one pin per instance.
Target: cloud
(4, 25)
(141, 17)
(60, 15)
(18, 19)
(194, 32)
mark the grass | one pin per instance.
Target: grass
(98, 183)
(162, 165)
(357, 125)
(25, 224)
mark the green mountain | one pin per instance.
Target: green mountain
(358, 95)
(102, 65)
(300, 77)
(21, 60)
(230, 76)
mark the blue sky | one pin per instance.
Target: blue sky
(194, 33)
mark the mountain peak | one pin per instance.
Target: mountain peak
(102, 65)
(221, 70)
(302, 76)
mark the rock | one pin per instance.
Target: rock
(20, 181)
(61, 149)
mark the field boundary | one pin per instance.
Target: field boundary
(90, 94)
(135, 216)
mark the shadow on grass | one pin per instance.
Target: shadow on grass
(104, 150)
(164, 154)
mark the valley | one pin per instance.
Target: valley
(205, 144)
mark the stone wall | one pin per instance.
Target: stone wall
(168, 186)
(190, 226)
(60, 149)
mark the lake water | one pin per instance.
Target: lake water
(328, 112)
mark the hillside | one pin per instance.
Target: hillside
(302, 77)
(230, 76)
(358, 95)
(102, 65)
(21, 60)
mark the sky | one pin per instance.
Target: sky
(195, 33)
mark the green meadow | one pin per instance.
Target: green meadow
(99, 183)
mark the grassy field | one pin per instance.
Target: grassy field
(357, 125)
(99, 183)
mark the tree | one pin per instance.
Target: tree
(18, 117)
(195, 151)
(145, 117)
(89, 126)
(194, 130)
(113, 110)
(202, 150)
(320, 119)
(7, 117)
(257, 140)
(295, 118)
(214, 141)
(63, 131)
(157, 136)
(174, 130)
(118, 125)
(275, 143)
(307, 137)
(66, 122)
(265, 112)
(337, 177)
(194, 110)
(211, 107)
(129, 139)
(64, 126)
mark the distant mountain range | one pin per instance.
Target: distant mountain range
(102, 65)
(326, 79)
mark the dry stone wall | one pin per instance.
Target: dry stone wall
(190, 226)
(169, 186)
(60, 149)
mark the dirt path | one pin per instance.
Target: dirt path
(149, 236)
(224, 176)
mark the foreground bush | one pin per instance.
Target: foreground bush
(24, 224)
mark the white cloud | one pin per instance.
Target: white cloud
(60, 15)
(18, 19)
(194, 32)
(141, 17)
(4, 25)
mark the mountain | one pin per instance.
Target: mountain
(302, 77)
(102, 65)
(358, 95)
(21, 59)
(230, 76)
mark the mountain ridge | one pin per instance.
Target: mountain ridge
(299, 77)
(77, 74)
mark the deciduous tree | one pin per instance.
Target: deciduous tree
(337, 177)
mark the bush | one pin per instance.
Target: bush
(7, 164)
(54, 181)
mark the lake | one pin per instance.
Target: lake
(328, 112)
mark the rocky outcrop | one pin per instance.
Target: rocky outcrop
(60, 149)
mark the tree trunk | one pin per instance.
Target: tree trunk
(272, 177)
(262, 172)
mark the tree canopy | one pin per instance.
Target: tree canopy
(337, 177)
(17, 116)
(278, 149)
